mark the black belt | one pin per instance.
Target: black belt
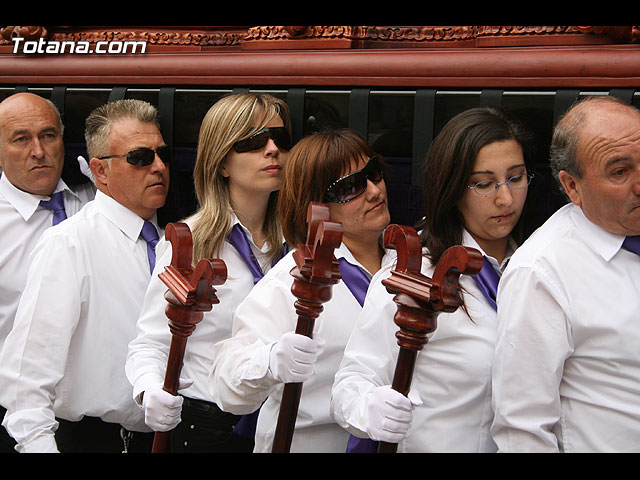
(206, 428)
(202, 405)
(209, 410)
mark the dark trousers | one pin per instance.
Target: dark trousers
(92, 435)
(7, 443)
(207, 429)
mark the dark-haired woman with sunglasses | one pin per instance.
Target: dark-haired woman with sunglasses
(251, 368)
(475, 186)
(243, 146)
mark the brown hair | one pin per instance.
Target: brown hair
(449, 165)
(314, 163)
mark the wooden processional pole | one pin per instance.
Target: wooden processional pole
(190, 293)
(421, 299)
(315, 273)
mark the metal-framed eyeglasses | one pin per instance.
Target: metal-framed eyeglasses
(489, 187)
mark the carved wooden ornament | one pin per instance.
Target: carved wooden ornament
(190, 293)
(315, 273)
(421, 299)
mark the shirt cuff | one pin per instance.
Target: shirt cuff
(143, 383)
(256, 369)
(41, 444)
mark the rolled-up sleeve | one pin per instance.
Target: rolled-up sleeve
(240, 380)
(369, 359)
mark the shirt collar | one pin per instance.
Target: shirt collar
(469, 241)
(343, 251)
(26, 203)
(236, 221)
(605, 243)
(127, 221)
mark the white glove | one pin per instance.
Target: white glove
(85, 169)
(292, 357)
(161, 409)
(389, 414)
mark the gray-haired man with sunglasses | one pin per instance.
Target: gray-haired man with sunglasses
(62, 373)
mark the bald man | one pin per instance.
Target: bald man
(567, 367)
(31, 157)
(62, 376)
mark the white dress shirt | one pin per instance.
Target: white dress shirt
(65, 356)
(452, 374)
(241, 381)
(22, 221)
(567, 367)
(148, 352)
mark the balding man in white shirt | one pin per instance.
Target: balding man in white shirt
(32, 159)
(566, 374)
(62, 375)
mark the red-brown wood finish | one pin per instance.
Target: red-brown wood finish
(421, 299)
(190, 293)
(315, 273)
(376, 56)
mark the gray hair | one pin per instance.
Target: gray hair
(100, 121)
(564, 143)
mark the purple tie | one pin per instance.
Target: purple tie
(150, 235)
(239, 240)
(632, 244)
(246, 427)
(355, 280)
(358, 283)
(56, 204)
(487, 280)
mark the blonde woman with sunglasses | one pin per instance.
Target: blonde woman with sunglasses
(243, 146)
(475, 186)
(252, 367)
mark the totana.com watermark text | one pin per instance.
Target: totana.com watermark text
(20, 45)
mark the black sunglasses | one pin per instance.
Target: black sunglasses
(258, 140)
(143, 156)
(353, 185)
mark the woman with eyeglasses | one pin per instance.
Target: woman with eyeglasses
(475, 186)
(251, 368)
(243, 146)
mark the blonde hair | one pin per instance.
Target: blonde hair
(232, 118)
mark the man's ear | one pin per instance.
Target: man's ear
(571, 186)
(100, 170)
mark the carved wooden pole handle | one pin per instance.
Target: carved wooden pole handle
(190, 293)
(315, 273)
(420, 299)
